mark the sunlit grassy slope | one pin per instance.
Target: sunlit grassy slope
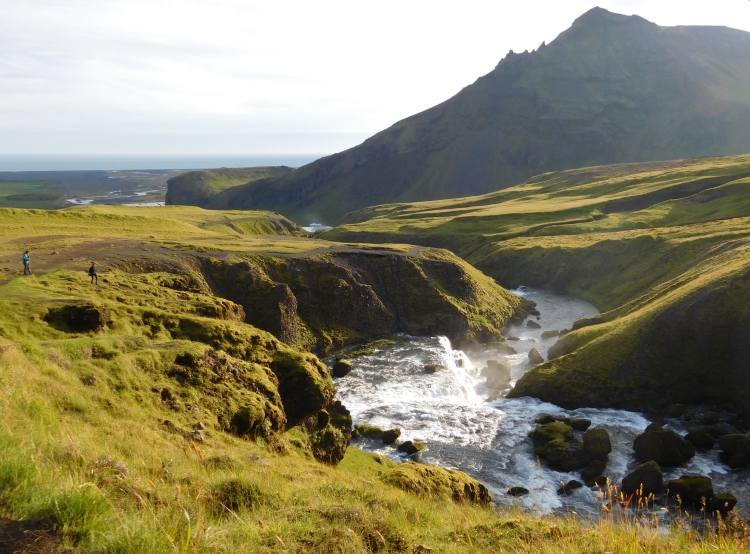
(663, 246)
(97, 437)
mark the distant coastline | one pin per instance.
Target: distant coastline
(10, 162)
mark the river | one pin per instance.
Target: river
(450, 411)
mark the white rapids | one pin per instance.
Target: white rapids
(449, 411)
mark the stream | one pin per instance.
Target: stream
(450, 412)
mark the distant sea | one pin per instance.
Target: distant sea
(10, 162)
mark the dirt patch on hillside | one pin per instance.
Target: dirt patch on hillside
(18, 537)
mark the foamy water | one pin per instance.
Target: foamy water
(449, 411)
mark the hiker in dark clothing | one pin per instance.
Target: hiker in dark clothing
(92, 274)
(26, 263)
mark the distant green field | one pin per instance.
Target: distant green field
(31, 194)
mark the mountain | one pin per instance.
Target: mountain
(610, 89)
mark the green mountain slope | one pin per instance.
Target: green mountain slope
(663, 248)
(610, 89)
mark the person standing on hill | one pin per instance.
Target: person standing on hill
(92, 274)
(26, 263)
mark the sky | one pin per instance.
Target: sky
(228, 77)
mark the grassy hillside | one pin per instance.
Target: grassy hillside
(103, 388)
(661, 248)
(610, 89)
(195, 188)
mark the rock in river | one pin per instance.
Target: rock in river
(535, 357)
(596, 444)
(664, 447)
(557, 443)
(341, 368)
(498, 374)
(649, 475)
(390, 436)
(736, 448)
(696, 489)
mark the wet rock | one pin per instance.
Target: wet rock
(550, 334)
(696, 489)
(341, 368)
(89, 380)
(596, 444)
(518, 491)
(676, 410)
(545, 418)
(649, 475)
(600, 481)
(535, 357)
(503, 348)
(736, 449)
(664, 447)
(716, 431)
(569, 487)
(710, 418)
(564, 332)
(534, 312)
(700, 439)
(722, 502)
(430, 368)
(365, 430)
(411, 447)
(557, 443)
(533, 324)
(498, 374)
(595, 469)
(513, 337)
(391, 435)
(577, 423)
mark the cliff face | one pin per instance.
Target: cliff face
(610, 89)
(194, 188)
(323, 302)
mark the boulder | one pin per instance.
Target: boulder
(557, 443)
(498, 374)
(649, 475)
(594, 469)
(411, 447)
(391, 435)
(550, 334)
(513, 337)
(600, 481)
(366, 430)
(341, 368)
(710, 418)
(535, 357)
(596, 444)
(545, 418)
(503, 348)
(569, 487)
(664, 447)
(430, 368)
(717, 430)
(696, 489)
(533, 324)
(736, 449)
(722, 502)
(517, 491)
(700, 439)
(577, 423)
(676, 410)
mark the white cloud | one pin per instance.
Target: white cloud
(223, 76)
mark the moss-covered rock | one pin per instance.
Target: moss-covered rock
(557, 443)
(426, 480)
(700, 439)
(366, 430)
(535, 357)
(697, 489)
(410, 447)
(736, 449)
(330, 435)
(391, 435)
(645, 479)
(596, 444)
(594, 469)
(722, 502)
(664, 447)
(341, 368)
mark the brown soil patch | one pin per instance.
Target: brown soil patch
(18, 537)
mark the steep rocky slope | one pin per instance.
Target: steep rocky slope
(610, 89)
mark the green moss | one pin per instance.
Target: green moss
(434, 481)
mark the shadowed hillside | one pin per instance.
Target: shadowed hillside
(610, 89)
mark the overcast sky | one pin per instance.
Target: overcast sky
(188, 77)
